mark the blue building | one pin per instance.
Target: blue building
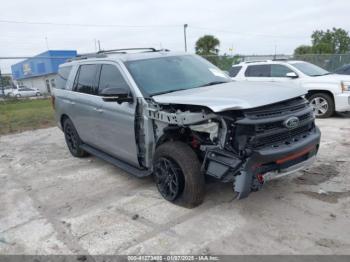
(39, 71)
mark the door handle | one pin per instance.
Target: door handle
(69, 102)
(98, 110)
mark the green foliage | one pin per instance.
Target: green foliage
(207, 45)
(5, 81)
(303, 49)
(335, 41)
(19, 115)
(223, 62)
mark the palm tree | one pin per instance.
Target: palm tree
(207, 45)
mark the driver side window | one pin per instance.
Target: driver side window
(111, 77)
(280, 71)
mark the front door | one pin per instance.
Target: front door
(116, 130)
(279, 74)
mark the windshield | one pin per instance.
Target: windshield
(310, 69)
(173, 73)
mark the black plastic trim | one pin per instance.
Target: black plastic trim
(116, 162)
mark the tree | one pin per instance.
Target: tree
(303, 49)
(335, 41)
(207, 45)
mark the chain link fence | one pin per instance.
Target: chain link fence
(329, 62)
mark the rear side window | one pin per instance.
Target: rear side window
(258, 71)
(280, 71)
(111, 77)
(85, 81)
(62, 77)
(234, 71)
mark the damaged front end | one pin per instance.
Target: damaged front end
(244, 147)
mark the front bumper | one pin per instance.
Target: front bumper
(270, 163)
(342, 102)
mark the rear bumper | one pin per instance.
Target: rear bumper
(271, 163)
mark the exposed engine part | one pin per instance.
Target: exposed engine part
(179, 117)
(212, 128)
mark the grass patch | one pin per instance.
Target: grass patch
(21, 115)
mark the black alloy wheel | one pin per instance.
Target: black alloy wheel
(169, 178)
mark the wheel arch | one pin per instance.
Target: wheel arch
(63, 118)
(316, 91)
(175, 133)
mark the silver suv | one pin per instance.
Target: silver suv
(180, 118)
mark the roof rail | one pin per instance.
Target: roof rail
(86, 56)
(256, 61)
(123, 50)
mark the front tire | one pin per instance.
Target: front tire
(322, 104)
(73, 140)
(178, 175)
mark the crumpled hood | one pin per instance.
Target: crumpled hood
(233, 95)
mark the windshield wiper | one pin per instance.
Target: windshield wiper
(214, 83)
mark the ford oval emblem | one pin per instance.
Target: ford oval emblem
(292, 122)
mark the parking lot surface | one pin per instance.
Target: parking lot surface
(52, 203)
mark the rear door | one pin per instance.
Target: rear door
(84, 103)
(258, 73)
(116, 121)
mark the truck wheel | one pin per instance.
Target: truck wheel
(322, 104)
(178, 175)
(72, 139)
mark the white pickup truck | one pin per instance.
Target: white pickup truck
(327, 92)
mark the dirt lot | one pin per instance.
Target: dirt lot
(52, 203)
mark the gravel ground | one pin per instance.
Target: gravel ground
(52, 203)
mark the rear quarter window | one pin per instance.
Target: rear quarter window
(234, 71)
(62, 77)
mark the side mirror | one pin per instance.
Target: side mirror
(292, 75)
(116, 94)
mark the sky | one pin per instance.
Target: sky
(247, 26)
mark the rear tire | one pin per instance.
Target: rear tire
(178, 176)
(73, 140)
(322, 104)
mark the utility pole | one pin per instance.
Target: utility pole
(99, 45)
(185, 27)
